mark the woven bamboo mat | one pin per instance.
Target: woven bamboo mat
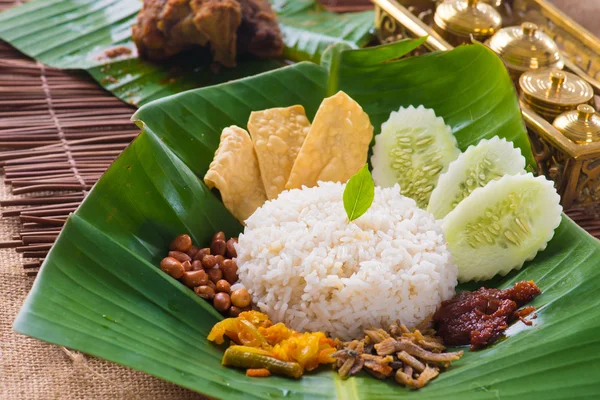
(58, 133)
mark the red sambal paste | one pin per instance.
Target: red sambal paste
(480, 317)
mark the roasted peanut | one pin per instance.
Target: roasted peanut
(192, 279)
(218, 236)
(240, 298)
(222, 302)
(181, 243)
(179, 256)
(231, 252)
(218, 247)
(212, 285)
(192, 251)
(187, 266)
(215, 274)
(201, 253)
(206, 292)
(229, 268)
(172, 267)
(223, 286)
(209, 261)
(220, 259)
(234, 311)
(197, 265)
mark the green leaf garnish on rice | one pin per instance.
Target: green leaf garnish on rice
(359, 193)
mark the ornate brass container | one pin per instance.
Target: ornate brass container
(581, 176)
(581, 126)
(574, 166)
(494, 3)
(550, 92)
(459, 20)
(525, 47)
(568, 152)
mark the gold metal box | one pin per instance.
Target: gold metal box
(574, 166)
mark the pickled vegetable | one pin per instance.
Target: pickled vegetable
(258, 344)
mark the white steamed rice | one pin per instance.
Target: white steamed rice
(305, 265)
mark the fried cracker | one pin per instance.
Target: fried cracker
(234, 171)
(278, 135)
(336, 145)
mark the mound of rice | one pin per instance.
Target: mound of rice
(305, 265)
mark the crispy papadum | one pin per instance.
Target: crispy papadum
(336, 145)
(278, 135)
(234, 171)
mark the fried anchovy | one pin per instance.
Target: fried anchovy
(382, 369)
(396, 364)
(346, 366)
(425, 376)
(386, 347)
(431, 345)
(390, 346)
(358, 365)
(345, 353)
(377, 335)
(413, 358)
(404, 379)
(407, 359)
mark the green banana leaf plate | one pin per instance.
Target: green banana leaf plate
(100, 290)
(76, 33)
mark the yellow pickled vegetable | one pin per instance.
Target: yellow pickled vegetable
(276, 333)
(260, 344)
(242, 330)
(250, 336)
(228, 327)
(258, 319)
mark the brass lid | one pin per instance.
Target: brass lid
(526, 47)
(550, 92)
(463, 18)
(494, 3)
(582, 126)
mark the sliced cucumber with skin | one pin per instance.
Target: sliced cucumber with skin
(478, 165)
(502, 225)
(413, 149)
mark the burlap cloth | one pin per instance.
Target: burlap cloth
(30, 369)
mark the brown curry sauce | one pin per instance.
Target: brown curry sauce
(480, 317)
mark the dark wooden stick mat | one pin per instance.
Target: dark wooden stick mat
(59, 132)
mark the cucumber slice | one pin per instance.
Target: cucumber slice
(489, 160)
(502, 225)
(413, 149)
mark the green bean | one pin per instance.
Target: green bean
(249, 357)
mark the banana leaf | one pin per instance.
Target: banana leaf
(308, 29)
(100, 290)
(74, 34)
(483, 96)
